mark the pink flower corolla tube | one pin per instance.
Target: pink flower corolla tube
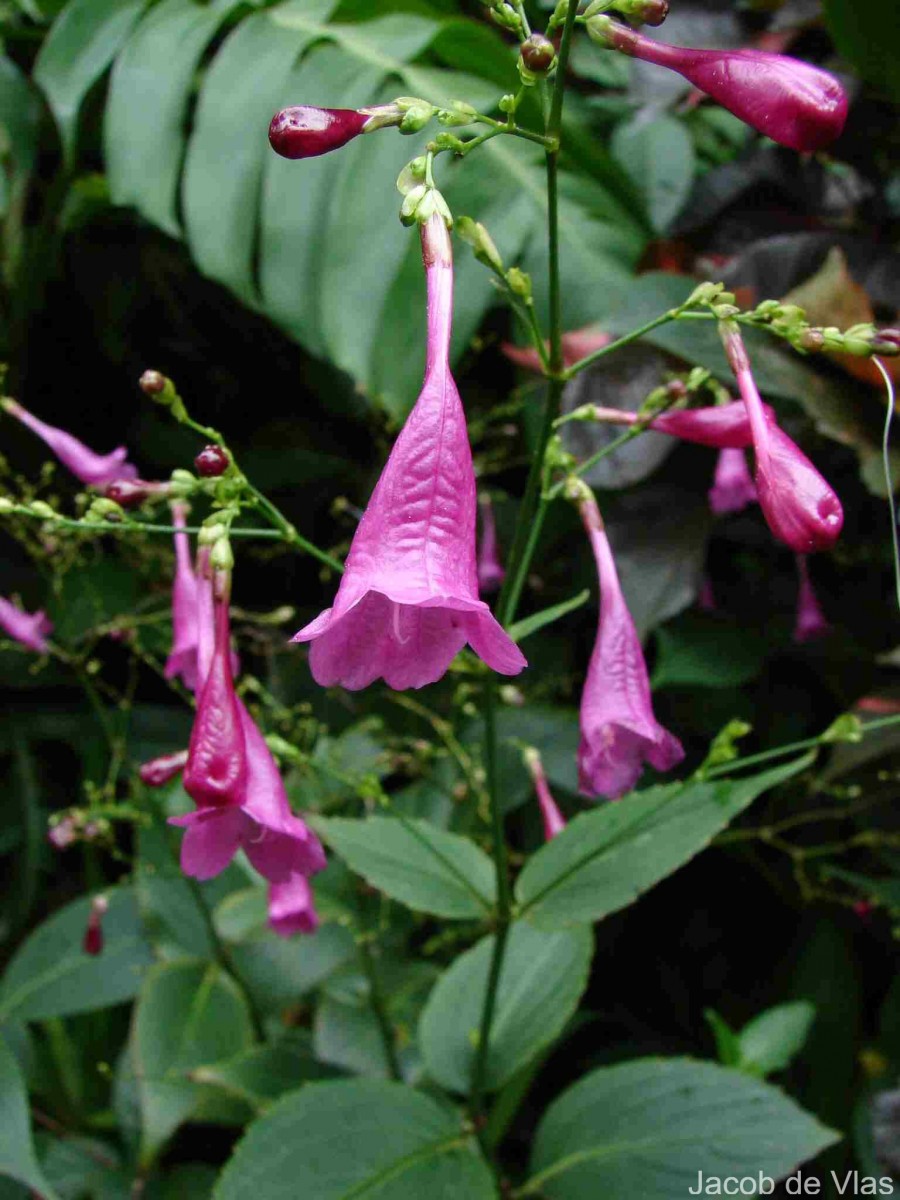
(29, 629)
(810, 622)
(291, 908)
(182, 660)
(723, 426)
(553, 820)
(408, 600)
(231, 774)
(490, 569)
(733, 487)
(618, 729)
(789, 101)
(95, 470)
(799, 506)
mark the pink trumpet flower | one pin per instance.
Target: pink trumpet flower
(618, 729)
(733, 487)
(723, 426)
(789, 101)
(799, 506)
(231, 774)
(95, 470)
(490, 569)
(182, 660)
(408, 600)
(291, 908)
(811, 622)
(29, 629)
(554, 821)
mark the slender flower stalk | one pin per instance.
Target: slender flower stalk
(182, 660)
(790, 101)
(799, 506)
(490, 569)
(554, 821)
(618, 729)
(733, 487)
(408, 600)
(811, 622)
(95, 470)
(29, 629)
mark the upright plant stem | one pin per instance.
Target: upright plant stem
(379, 1008)
(523, 546)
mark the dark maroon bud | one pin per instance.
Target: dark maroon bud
(538, 53)
(160, 770)
(129, 493)
(152, 383)
(93, 935)
(212, 461)
(644, 12)
(305, 132)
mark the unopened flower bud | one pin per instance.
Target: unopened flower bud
(506, 16)
(643, 12)
(63, 833)
(93, 935)
(811, 340)
(210, 534)
(102, 509)
(412, 175)
(411, 202)
(181, 483)
(6, 505)
(221, 557)
(211, 462)
(519, 283)
(887, 342)
(538, 54)
(417, 117)
(449, 141)
(160, 770)
(306, 132)
(459, 113)
(155, 385)
(129, 493)
(41, 508)
(475, 234)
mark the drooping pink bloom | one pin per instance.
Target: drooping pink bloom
(408, 600)
(618, 729)
(231, 774)
(182, 660)
(95, 470)
(93, 934)
(29, 629)
(733, 487)
(724, 426)
(291, 908)
(554, 821)
(810, 622)
(799, 506)
(790, 101)
(490, 569)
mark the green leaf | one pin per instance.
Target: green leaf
(188, 1014)
(84, 40)
(700, 650)
(727, 1045)
(770, 1041)
(169, 906)
(51, 976)
(150, 88)
(263, 1074)
(646, 1129)
(416, 863)
(17, 1156)
(552, 731)
(868, 39)
(78, 1166)
(530, 625)
(659, 157)
(603, 860)
(541, 983)
(404, 1145)
(19, 117)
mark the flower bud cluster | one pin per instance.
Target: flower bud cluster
(421, 199)
(73, 826)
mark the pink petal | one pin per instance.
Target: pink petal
(211, 840)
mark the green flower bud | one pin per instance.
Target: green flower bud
(182, 483)
(6, 505)
(449, 141)
(643, 12)
(102, 509)
(459, 113)
(221, 557)
(475, 235)
(417, 117)
(411, 202)
(706, 293)
(41, 509)
(412, 175)
(519, 284)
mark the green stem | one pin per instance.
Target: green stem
(753, 760)
(287, 530)
(590, 359)
(379, 1008)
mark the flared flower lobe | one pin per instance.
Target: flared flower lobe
(733, 487)
(28, 629)
(95, 470)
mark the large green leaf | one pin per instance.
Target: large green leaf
(84, 40)
(17, 1156)
(866, 36)
(188, 1014)
(603, 860)
(333, 1141)
(19, 116)
(149, 91)
(541, 982)
(264, 1073)
(51, 976)
(659, 157)
(648, 1128)
(416, 863)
